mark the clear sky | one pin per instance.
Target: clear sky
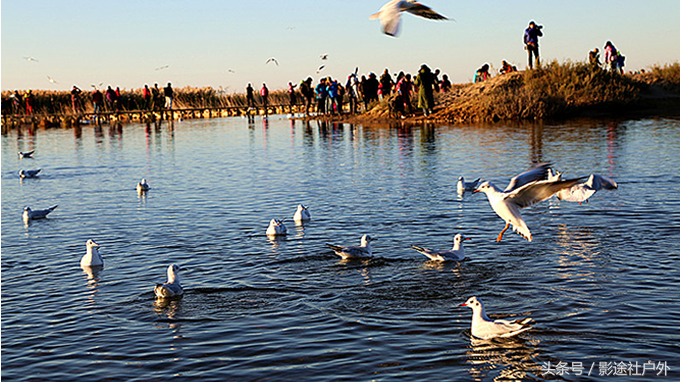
(122, 42)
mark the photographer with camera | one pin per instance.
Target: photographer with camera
(531, 35)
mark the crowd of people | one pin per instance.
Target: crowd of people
(330, 95)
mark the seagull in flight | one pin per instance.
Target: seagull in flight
(583, 191)
(390, 14)
(30, 59)
(231, 71)
(524, 190)
(272, 59)
(320, 69)
(163, 67)
(485, 328)
(323, 56)
(51, 80)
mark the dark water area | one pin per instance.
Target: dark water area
(601, 279)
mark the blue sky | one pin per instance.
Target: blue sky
(121, 43)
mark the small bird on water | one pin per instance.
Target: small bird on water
(172, 287)
(354, 252)
(485, 328)
(92, 258)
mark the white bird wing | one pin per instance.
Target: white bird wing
(538, 172)
(168, 290)
(390, 17)
(511, 328)
(538, 191)
(422, 11)
(576, 193)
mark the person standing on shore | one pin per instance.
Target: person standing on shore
(531, 35)
(264, 93)
(75, 99)
(594, 58)
(169, 95)
(97, 101)
(307, 93)
(28, 98)
(352, 87)
(386, 84)
(405, 88)
(425, 83)
(320, 91)
(291, 95)
(146, 93)
(250, 98)
(156, 97)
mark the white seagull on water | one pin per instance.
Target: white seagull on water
(92, 258)
(143, 186)
(455, 254)
(390, 14)
(37, 214)
(354, 252)
(27, 154)
(462, 185)
(172, 287)
(302, 214)
(28, 173)
(276, 228)
(485, 328)
(524, 190)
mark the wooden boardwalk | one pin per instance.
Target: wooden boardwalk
(47, 120)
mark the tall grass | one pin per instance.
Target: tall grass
(59, 102)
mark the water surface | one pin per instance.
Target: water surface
(601, 279)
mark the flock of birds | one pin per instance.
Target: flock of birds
(92, 261)
(525, 189)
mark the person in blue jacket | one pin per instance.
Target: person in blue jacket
(531, 35)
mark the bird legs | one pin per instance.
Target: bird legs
(500, 235)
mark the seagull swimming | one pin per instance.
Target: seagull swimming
(457, 253)
(354, 252)
(581, 192)
(92, 258)
(28, 154)
(485, 328)
(172, 288)
(28, 173)
(506, 204)
(143, 186)
(390, 14)
(463, 186)
(272, 59)
(302, 214)
(276, 228)
(36, 214)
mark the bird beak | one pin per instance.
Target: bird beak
(475, 191)
(467, 238)
(463, 304)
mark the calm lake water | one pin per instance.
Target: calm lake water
(601, 279)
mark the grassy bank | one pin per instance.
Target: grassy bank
(554, 91)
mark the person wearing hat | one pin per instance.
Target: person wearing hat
(531, 35)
